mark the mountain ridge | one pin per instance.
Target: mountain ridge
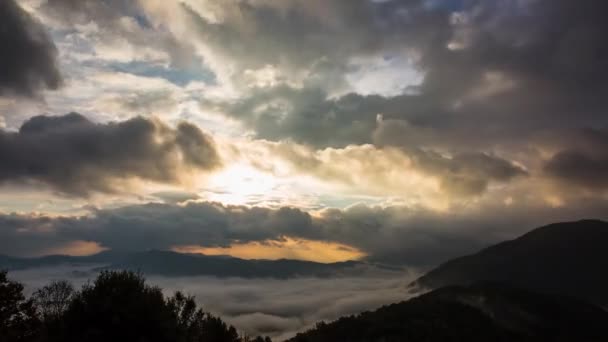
(567, 258)
(169, 263)
(479, 312)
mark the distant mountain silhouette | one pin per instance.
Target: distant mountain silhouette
(569, 258)
(482, 312)
(14, 263)
(168, 263)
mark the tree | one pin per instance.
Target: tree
(194, 325)
(119, 306)
(53, 299)
(18, 319)
(189, 318)
(215, 330)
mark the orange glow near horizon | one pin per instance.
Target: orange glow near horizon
(76, 248)
(287, 248)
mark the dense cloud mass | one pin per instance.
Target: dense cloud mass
(520, 66)
(398, 235)
(76, 156)
(486, 89)
(28, 59)
(497, 76)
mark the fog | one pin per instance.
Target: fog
(275, 307)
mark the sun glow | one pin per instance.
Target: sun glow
(240, 184)
(285, 248)
(75, 248)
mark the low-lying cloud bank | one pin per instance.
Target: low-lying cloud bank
(394, 234)
(264, 306)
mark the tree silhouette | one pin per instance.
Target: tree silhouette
(120, 306)
(53, 299)
(214, 329)
(18, 319)
(188, 317)
(117, 306)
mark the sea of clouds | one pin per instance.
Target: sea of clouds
(275, 307)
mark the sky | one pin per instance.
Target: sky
(397, 131)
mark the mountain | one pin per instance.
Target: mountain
(14, 263)
(168, 263)
(178, 264)
(481, 312)
(569, 258)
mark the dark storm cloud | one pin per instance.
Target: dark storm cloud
(399, 234)
(76, 156)
(28, 59)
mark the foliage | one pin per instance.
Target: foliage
(18, 319)
(54, 299)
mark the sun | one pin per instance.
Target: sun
(240, 184)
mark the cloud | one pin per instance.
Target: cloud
(490, 75)
(263, 306)
(467, 174)
(579, 169)
(494, 74)
(117, 30)
(28, 62)
(76, 156)
(398, 234)
(582, 162)
(391, 171)
(482, 79)
(307, 116)
(504, 88)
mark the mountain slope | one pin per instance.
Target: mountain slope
(569, 258)
(177, 264)
(481, 312)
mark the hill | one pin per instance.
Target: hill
(569, 258)
(168, 263)
(482, 312)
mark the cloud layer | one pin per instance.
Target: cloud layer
(263, 306)
(398, 234)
